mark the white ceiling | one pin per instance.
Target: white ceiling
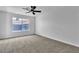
(19, 10)
(15, 9)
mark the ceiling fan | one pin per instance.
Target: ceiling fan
(32, 9)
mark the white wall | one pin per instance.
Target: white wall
(6, 25)
(59, 23)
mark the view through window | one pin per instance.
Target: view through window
(20, 24)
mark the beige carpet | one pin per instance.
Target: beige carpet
(34, 44)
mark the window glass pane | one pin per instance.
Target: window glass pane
(25, 25)
(20, 25)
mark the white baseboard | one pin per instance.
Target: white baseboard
(60, 40)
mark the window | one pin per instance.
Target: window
(20, 24)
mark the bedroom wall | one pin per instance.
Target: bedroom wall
(60, 23)
(6, 25)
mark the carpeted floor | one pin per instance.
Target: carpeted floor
(35, 44)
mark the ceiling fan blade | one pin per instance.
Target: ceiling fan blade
(28, 12)
(26, 9)
(33, 13)
(33, 7)
(37, 11)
